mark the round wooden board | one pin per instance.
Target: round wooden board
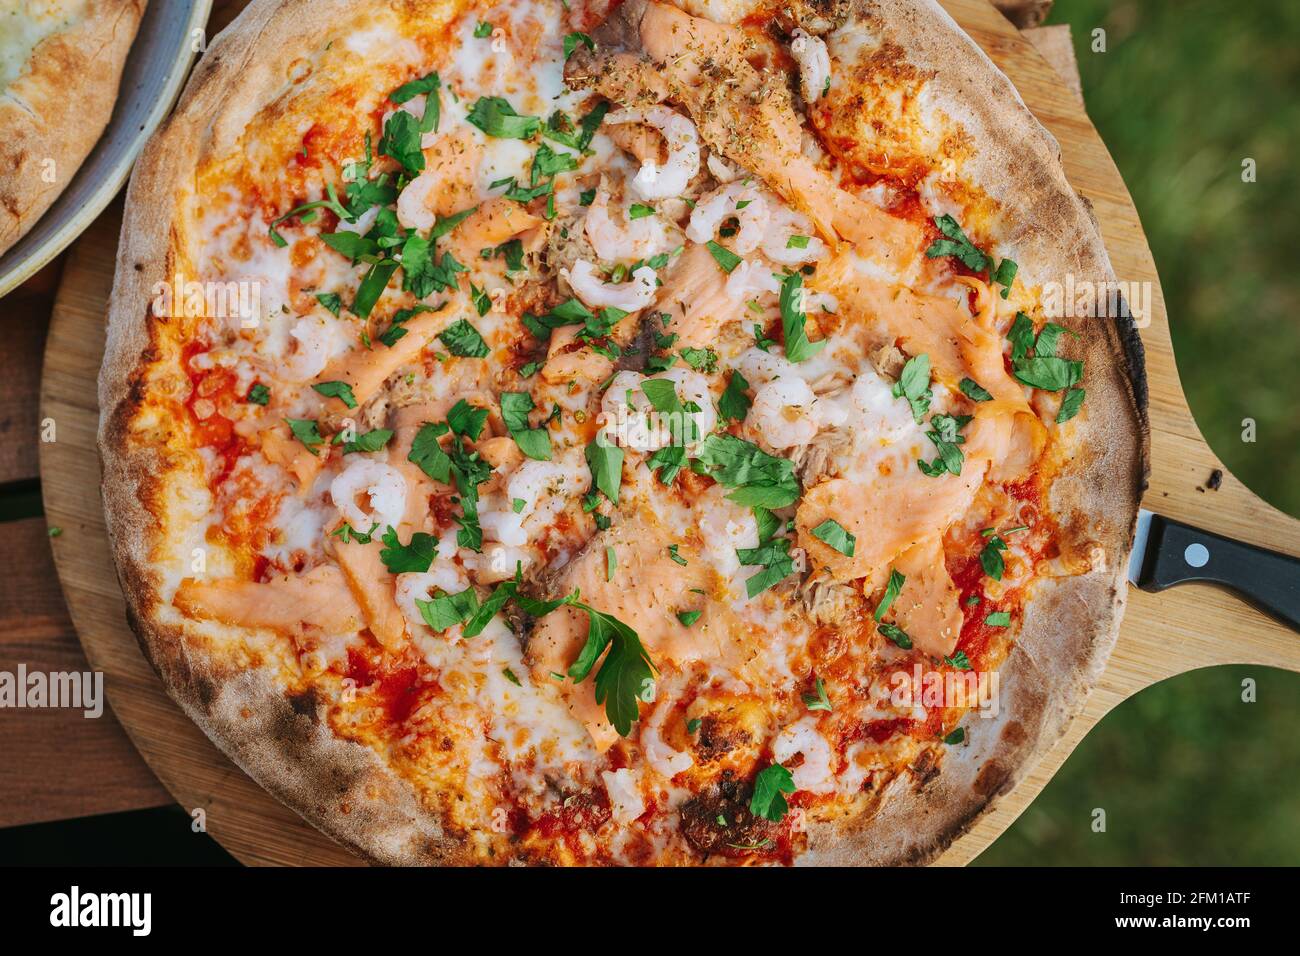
(1163, 635)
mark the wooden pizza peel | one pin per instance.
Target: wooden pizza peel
(1163, 634)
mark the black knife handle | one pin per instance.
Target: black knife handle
(1177, 553)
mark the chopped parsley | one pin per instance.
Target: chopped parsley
(340, 390)
(914, 385)
(306, 431)
(895, 634)
(956, 244)
(958, 660)
(724, 257)
(834, 534)
(817, 700)
(1070, 405)
(998, 619)
(496, 117)
(794, 322)
(571, 41)
(259, 394)
(892, 589)
(774, 557)
(370, 441)
(974, 391)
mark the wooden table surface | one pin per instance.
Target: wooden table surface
(58, 764)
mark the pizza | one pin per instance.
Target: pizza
(571, 433)
(60, 63)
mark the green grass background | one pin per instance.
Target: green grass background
(1186, 89)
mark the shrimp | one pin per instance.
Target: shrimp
(749, 279)
(722, 171)
(629, 296)
(745, 202)
(784, 225)
(814, 774)
(786, 412)
(383, 486)
(627, 413)
(316, 341)
(447, 185)
(635, 239)
(537, 489)
(625, 800)
(653, 181)
(814, 64)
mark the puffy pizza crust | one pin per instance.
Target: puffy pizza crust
(344, 788)
(57, 108)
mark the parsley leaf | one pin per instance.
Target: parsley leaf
(1048, 372)
(768, 801)
(958, 660)
(571, 41)
(1070, 405)
(427, 453)
(462, 339)
(625, 676)
(759, 478)
(774, 557)
(259, 394)
(702, 360)
(734, 404)
(416, 556)
(466, 419)
(671, 459)
(606, 463)
(496, 117)
(331, 301)
(535, 443)
(991, 558)
(401, 141)
(447, 610)
(1004, 275)
(372, 287)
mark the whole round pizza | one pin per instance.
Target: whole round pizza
(589, 433)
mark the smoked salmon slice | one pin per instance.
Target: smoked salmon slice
(316, 602)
